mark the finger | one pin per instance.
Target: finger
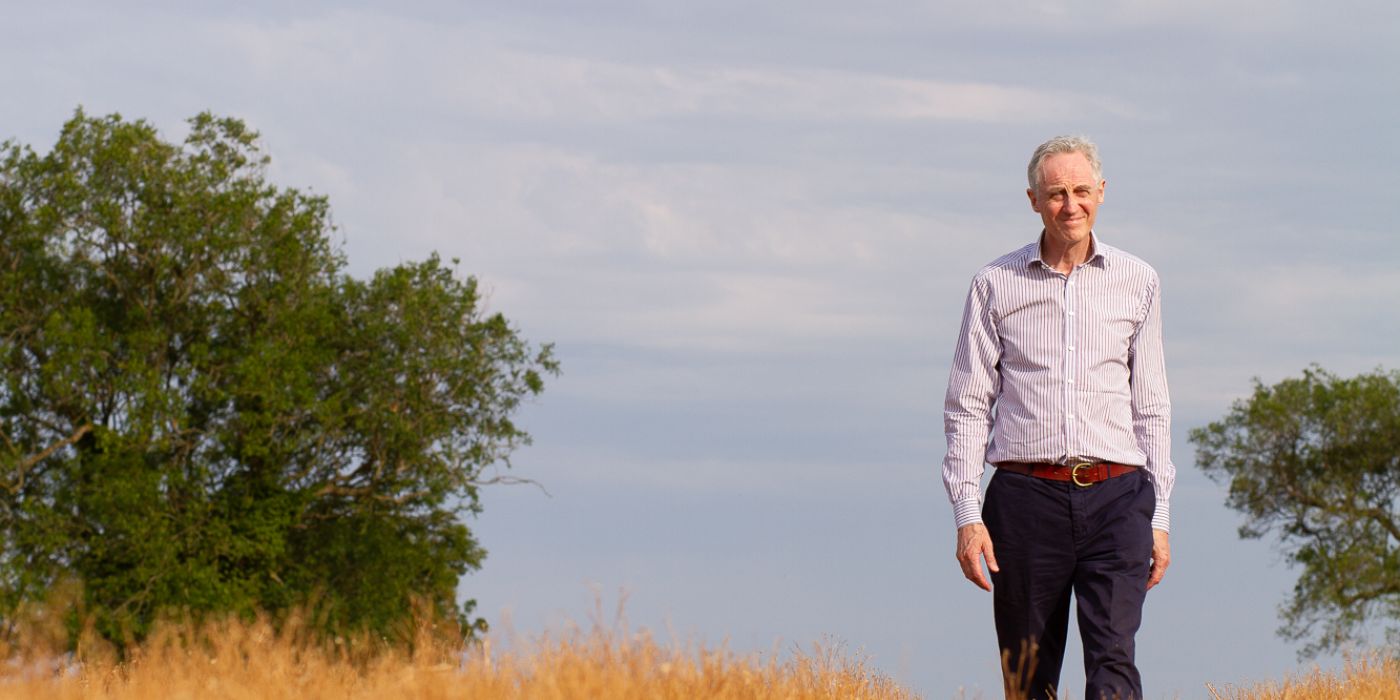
(976, 574)
(991, 558)
(980, 579)
(972, 570)
(1159, 569)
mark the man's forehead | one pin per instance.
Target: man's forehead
(1067, 182)
(1066, 170)
(1067, 164)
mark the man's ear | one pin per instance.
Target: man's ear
(1103, 184)
(1035, 204)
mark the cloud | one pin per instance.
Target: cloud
(509, 84)
(454, 67)
(728, 258)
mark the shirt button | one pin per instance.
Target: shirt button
(1071, 381)
(1071, 348)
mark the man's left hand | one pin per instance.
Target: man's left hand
(1161, 558)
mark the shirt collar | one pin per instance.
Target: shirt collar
(1098, 256)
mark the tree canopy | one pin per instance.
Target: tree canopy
(1315, 461)
(201, 410)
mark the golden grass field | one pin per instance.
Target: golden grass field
(1375, 677)
(235, 660)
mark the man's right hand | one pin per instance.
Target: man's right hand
(974, 543)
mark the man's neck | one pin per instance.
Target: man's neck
(1062, 257)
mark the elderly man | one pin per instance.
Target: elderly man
(1058, 381)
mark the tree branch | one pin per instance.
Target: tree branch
(510, 480)
(29, 463)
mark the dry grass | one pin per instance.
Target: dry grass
(232, 660)
(1372, 677)
(235, 660)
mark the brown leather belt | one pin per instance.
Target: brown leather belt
(1082, 473)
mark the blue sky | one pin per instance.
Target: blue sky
(749, 229)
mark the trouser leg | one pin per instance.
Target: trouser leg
(1110, 581)
(1029, 523)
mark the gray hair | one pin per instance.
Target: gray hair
(1064, 144)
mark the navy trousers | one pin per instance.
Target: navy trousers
(1053, 538)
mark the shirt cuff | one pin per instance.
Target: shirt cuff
(1162, 517)
(967, 511)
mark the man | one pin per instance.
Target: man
(1058, 381)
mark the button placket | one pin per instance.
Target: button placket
(1070, 306)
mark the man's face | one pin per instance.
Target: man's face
(1068, 197)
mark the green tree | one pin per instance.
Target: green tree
(202, 411)
(1316, 462)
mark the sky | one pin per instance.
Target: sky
(749, 227)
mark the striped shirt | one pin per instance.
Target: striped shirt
(1061, 369)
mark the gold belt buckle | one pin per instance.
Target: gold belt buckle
(1074, 474)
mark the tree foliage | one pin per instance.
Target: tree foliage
(202, 410)
(1315, 461)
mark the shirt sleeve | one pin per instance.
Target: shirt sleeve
(1152, 412)
(973, 385)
